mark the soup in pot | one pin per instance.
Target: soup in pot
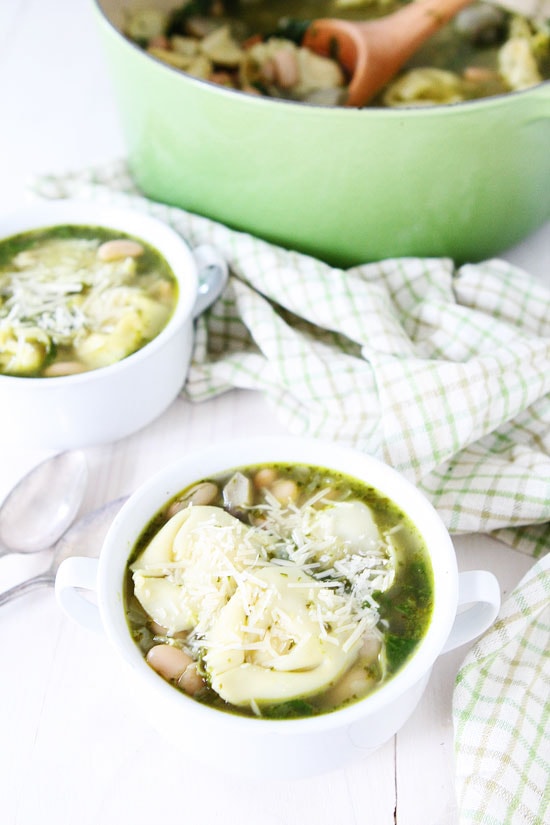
(254, 46)
(279, 591)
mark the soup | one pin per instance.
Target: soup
(255, 47)
(76, 298)
(279, 591)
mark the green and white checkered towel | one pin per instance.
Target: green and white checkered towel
(501, 711)
(443, 373)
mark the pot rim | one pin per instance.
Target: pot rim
(494, 101)
(151, 496)
(165, 240)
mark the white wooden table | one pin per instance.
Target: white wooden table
(73, 748)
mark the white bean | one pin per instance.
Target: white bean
(265, 477)
(168, 661)
(190, 680)
(352, 685)
(202, 494)
(286, 68)
(119, 248)
(285, 490)
(59, 368)
(175, 507)
(370, 649)
(158, 629)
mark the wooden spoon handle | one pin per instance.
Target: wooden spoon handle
(373, 51)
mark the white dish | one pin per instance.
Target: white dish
(270, 748)
(111, 402)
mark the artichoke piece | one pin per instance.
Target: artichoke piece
(172, 58)
(517, 64)
(222, 49)
(188, 46)
(201, 67)
(237, 493)
(144, 24)
(516, 58)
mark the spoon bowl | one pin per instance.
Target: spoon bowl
(43, 504)
(85, 538)
(373, 51)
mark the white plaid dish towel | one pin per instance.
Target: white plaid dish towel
(443, 373)
(501, 713)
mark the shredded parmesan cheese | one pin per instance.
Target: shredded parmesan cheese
(62, 291)
(331, 555)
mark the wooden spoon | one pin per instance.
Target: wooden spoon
(373, 51)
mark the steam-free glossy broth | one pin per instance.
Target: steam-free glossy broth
(76, 298)
(279, 591)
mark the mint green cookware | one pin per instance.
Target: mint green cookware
(346, 185)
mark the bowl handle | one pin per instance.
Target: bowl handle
(74, 575)
(479, 593)
(213, 273)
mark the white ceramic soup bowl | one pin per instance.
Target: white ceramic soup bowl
(111, 402)
(268, 748)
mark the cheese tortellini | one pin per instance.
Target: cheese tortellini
(188, 570)
(265, 645)
(276, 590)
(268, 631)
(23, 349)
(425, 87)
(121, 318)
(348, 526)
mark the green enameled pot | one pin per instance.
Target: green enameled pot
(348, 186)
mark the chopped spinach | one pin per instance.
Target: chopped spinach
(294, 709)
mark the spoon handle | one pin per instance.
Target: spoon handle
(42, 580)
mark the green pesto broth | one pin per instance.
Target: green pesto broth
(256, 47)
(396, 616)
(75, 298)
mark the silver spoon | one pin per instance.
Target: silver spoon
(85, 538)
(43, 504)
